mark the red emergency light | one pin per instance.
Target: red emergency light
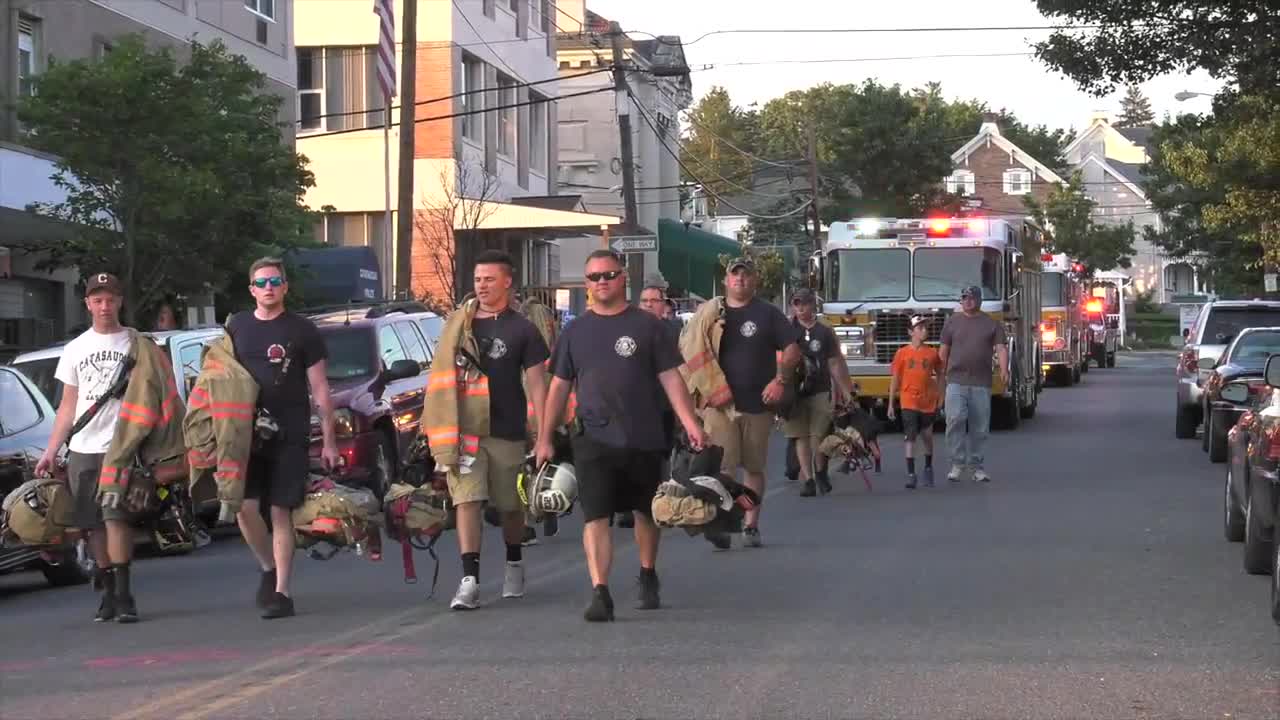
(1094, 306)
(940, 227)
(1077, 268)
(1047, 257)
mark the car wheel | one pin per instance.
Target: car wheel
(67, 572)
(1075, 375)
(1234, 517)
(1184, 423)
(1204, 434)
(1111, 360)
(1029, 411)
(1216, 432)
(1084, 366)
(1258, 547)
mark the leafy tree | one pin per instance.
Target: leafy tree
(963, 118)
(175, 174)
(718, 131)
(1068, 212)
(1135, 109)
(1232, 39)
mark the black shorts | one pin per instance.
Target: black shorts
(278, 475)
(612, 480)
(914, 422)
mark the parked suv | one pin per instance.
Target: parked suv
(1215, 327)
(378, 357)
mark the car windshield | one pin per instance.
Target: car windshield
(41, 373)
(18, 409)
(1256, 347)
(866, 275)
(1225, 323)
(1053, 290)
(941, 273)
(351, 354)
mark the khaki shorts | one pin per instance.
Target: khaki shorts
(810, 418)
(745, 440)
(492, 476)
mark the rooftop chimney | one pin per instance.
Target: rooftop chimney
(990, 123)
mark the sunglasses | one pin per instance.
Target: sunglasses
(608, 275)
(273, 281)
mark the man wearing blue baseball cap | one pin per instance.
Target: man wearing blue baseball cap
(968, 339)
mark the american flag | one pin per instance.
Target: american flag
(385, 10)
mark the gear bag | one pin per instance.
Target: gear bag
(418, 510)
(340, 517)
(698, 497)
(37, 512)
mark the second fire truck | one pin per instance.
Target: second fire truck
(1064, 333)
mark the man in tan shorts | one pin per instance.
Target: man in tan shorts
(510, 347)
(810, 418)
(754, 332)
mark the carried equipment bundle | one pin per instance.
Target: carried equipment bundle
(418, 510)
(37, 512)
(699, 498)
(853, 437)
(333, 517)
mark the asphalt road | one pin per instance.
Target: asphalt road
(1089, 580)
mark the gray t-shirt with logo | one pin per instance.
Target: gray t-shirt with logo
(972, 340)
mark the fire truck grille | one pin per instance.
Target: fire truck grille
(893, 330)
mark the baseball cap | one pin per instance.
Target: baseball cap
(743, 262)
(918, 320)
(102, 281)
(803, 295)
(972, 291)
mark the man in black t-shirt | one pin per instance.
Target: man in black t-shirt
(754, 332)
(824, 366)
(285, 354)
(622, 361)
(510, 348)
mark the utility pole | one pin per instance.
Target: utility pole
(813, 185)
(623, 97)
(408, 106)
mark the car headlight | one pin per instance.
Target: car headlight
(1235, 392)
(344, 423)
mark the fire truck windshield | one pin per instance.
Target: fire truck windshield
(872, 274)
(1053, 290)
(941, 273)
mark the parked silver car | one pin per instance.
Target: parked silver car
(1215, 327)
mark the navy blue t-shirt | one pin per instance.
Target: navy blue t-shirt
(753, 334)
(614, 361)
(509, 345)
(261, 347)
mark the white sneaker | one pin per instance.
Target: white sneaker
(981, 476)
(513, 583)
(956, 472)
(468, 595)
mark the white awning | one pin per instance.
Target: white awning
(490, 215)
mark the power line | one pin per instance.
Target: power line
(662, 141)
(821, 61)
(860, 31)
(464, 93)
(466, 113)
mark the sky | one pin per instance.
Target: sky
(1032, 91)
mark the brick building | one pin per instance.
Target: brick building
(998, 175)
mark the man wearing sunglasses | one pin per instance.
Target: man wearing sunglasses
(286, 356)
(811, 417)
(622, 360)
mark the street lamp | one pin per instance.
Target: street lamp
(1187, 95)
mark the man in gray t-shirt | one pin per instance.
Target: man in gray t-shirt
(968, 340)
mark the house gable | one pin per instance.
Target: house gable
(1111, 170)
(992, 169)
(1115, 144)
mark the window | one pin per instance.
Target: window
(547, 10)
(349, 352)
(1053, 290)
(431, 328)
(472, 83)
(1017, 181)
(866, 275)
(535, 14)
(941, 273)
(538, 134)
(514, 5)
(338, 89)
(487, 8)
(390, 346)
(961, 182)
(412, 342)
(507, 116)
(28, 58)
(265, 8)
(18, 409)
(189, 357)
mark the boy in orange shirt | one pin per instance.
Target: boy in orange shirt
(917, 373)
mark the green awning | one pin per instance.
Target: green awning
(689, 258)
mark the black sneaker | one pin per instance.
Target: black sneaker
(809, 490)
(911, 481)
(530, 537)
(824, 482)
(280, 606)
(266, 588)
(720, 540)
(601, 607)
(106, 608)
(647, 591)
(126, 610)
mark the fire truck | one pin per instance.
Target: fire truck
(1104, 313)
(1064, 334)
(876, 273)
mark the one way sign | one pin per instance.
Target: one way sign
(634, 243)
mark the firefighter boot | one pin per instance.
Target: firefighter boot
(105, 579)
(824, 481)
(810, 489)
(126, 610)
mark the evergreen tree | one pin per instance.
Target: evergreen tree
(1135, 109)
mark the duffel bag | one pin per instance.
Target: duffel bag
(38, 512)
(338, 515)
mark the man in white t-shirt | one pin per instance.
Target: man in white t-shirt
(89, 366)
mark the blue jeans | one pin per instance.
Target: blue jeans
(971, 405)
